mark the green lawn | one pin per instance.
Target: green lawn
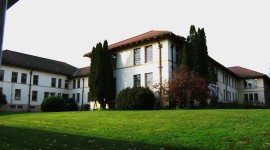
(168, 129)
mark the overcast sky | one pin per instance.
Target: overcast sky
(237, 31)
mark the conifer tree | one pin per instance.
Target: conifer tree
(101, 75)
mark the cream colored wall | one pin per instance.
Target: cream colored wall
(230, 87)
(125, 68)
(260, 90)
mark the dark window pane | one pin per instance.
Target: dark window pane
(137, 80)
(14, 77)
(59, 83)
(256, 97)
(66, 84)
(2, 72)
(23, 78)
(34, 95)
(35, 80)
(78, 83)
(53, 84)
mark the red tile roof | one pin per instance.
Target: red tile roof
(140, 38)
(246, 73)
(85, 71)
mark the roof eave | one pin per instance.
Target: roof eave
(11, 3)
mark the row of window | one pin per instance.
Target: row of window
(148, 55)
(251, 97)
(78, 83)
(18, 95)
(20, 107)
(250, 83)
(46, 94)
(148, 80)
(14, 78)
(228, 80)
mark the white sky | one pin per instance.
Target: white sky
(237, 30)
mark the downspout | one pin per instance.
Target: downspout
(82, 92)
(29, 92)
(226, 77)
(160, 70)
(172, 45)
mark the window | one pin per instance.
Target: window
(137, 80)
(66, 84)
(53, 84)
(34, 95)
(14, 77)
(249, 85)
(35, 80)
(12, 106)
(74, 84)
(73, 96)
(17, 94)
(256, 97)
(137, 56)
(251, 97)
(23, 78)
(149, 80)
(46, 94)
(2, 72)
(19, 106)
(255, 83)
(246, 97)
(59, 83)
(78, 97)
(148, 54)
(52, 94)
(33, 107)
(78, 83)
(245, 84)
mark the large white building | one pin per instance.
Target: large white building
(143, 60)
(26, 80)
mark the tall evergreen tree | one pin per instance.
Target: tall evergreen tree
(101, 75)
(195, 54)
(202, 55)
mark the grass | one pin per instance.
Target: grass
(168, 129)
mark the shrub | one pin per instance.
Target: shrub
(3, 99)
(136, 98)
(86, 107)
(53, 104)
(71, 105)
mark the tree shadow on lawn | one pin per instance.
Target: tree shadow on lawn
(24, 138)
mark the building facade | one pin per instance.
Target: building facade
(144, 60)
(26, 80)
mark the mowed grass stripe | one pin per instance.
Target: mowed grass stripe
(169, 129)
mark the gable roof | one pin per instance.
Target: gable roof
(246, 73)
(85, 71)
(13, 58)
(153, 34)
(214, 62)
